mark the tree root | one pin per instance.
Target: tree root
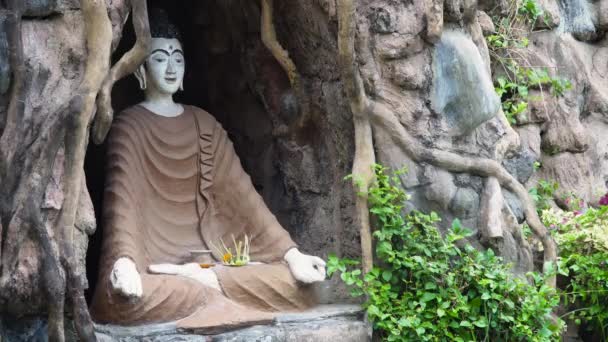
(383, 121)
(270, 41)
(12, 127)
(364, 146)
(80, 109)
(52, 273)
(269, 38)
(127, 64)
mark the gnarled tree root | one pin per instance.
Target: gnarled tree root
(80, 109)
(384, 121)
(127, 64)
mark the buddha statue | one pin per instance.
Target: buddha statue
(175, 185)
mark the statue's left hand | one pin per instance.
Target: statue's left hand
(194, 271)
(305, 268)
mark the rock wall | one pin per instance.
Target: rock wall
(427, 61)
(53, 40)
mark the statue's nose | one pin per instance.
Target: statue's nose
(170, 69)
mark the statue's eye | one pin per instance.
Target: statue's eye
(179, 60)
(159, 60)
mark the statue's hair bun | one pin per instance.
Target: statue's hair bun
(161, 26)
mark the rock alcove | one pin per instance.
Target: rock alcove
(232, 75)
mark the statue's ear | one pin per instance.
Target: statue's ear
(181, 85)
(140, 74)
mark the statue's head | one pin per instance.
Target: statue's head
(163, 69)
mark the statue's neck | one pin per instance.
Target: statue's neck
(162, 104)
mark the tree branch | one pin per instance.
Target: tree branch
(269, 39)
(364, 147)
(127, 64)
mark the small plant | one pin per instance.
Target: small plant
(427, 287)
(543, 194)
(505, 47)
(240, 256)
(583, 244)
(573, 202)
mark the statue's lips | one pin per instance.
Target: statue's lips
(171, 79)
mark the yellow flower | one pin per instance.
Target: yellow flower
(227, 257)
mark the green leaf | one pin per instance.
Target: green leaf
(466, 324)
(427, 297)
(481, 323)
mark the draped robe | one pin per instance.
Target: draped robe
(175, 184)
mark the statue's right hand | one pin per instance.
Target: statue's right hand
(125, 279)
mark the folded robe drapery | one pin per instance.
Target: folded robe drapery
(173, 185)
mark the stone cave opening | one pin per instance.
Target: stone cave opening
(230, 74)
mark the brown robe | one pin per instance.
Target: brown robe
(173, 185)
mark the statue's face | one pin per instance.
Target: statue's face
(165, 65)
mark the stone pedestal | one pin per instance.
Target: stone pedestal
(326, 323)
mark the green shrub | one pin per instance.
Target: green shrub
(583, 245)
(543, 194)
(428, 288)
(506, 46)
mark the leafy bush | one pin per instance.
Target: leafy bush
(543, 194)
(428, 288)
(519, 77)
(583, 244)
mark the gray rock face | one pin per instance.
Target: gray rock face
(23, 330)
(323, 324)
(462, 89)
(577, 19)
(521, 166)
(40, 8)
(5, 70)
(465, 203)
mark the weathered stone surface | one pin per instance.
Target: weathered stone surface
(442, 187)
(515, 205)
(490, 214)
(486, 23)
(462, 89)
(25, 329)
(54, 51)
(577, 18)
(521, 165)
(39, 8)
(465, 203)
(5, 69)
(324, 324)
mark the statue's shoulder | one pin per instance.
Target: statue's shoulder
(129, 113)
(205, 119)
